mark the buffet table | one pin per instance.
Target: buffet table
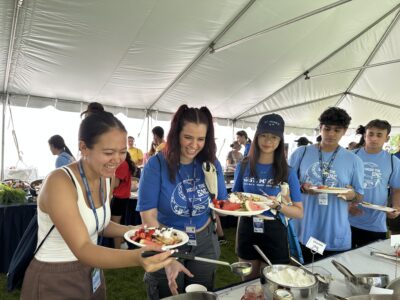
(13, 221)
(358, 261)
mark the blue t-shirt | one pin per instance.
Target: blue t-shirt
(187, 199)
(377, 170)
(64, 159)
(247, 184)
(327, 223)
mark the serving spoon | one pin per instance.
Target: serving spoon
(238, 268)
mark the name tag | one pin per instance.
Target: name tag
(191, 232)
(258, 225)
(323, 199)
(315, 245)
(96, 279)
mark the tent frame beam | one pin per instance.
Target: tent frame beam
(384, 63)
(330, 55)
(283, 24)
(373, 100)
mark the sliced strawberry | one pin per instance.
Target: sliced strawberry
(147, 242)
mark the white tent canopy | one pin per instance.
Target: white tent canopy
(240, 58)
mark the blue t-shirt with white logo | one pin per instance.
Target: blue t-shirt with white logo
(264, 182)
(377, 170)
(179, 202)
(327, 223)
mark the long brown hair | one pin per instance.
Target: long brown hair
(280, 166)
(172, 150)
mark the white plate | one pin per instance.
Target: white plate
(239, 213)
(182, 235)
(377, 207)
(330, 191)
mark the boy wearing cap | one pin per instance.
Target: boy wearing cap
(262, 172)
(327, 164)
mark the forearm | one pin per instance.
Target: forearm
(107, 258)
(149, 217)
(116, 230)
(395, 196)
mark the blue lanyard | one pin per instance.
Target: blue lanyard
(89, 196)
(325, 171)
(185, 191)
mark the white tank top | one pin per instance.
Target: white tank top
(54, 249)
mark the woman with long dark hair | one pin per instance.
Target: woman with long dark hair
(58, 147)
(262, 172)
(243, 139)
(173, 193)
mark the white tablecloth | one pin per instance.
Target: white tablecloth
(357, 261)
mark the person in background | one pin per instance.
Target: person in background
(303, 141)
(135, 153)
(381, 171)
(243, 139)
(173, 193)
(122, 192)
(326, 216)
(352, 146)
(158, 138)
(75, 199)
(262, 172)
(150, 153)
(234, 156)
(58, 147)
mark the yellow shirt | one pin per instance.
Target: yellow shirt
(136, 155)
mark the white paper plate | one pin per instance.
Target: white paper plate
(330, 191)
(239, 213)
(182, 235)
(377, 207)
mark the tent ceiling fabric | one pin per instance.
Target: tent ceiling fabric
(149, 54)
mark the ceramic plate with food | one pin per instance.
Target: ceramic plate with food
(323, 189)
(377, 207)
(242, 204)
(169, 238)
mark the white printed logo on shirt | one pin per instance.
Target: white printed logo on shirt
(179, 204)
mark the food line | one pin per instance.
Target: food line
(358, 260)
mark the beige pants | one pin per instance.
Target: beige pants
(59, 281)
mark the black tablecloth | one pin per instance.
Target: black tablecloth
(13, 221)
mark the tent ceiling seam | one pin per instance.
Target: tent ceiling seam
(333, 53)
(11, 44)
(373, 53)
(208, 49)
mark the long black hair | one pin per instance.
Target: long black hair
(280, 166)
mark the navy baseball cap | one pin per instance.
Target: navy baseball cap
(272, 123)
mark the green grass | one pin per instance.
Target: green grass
(128, 283)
